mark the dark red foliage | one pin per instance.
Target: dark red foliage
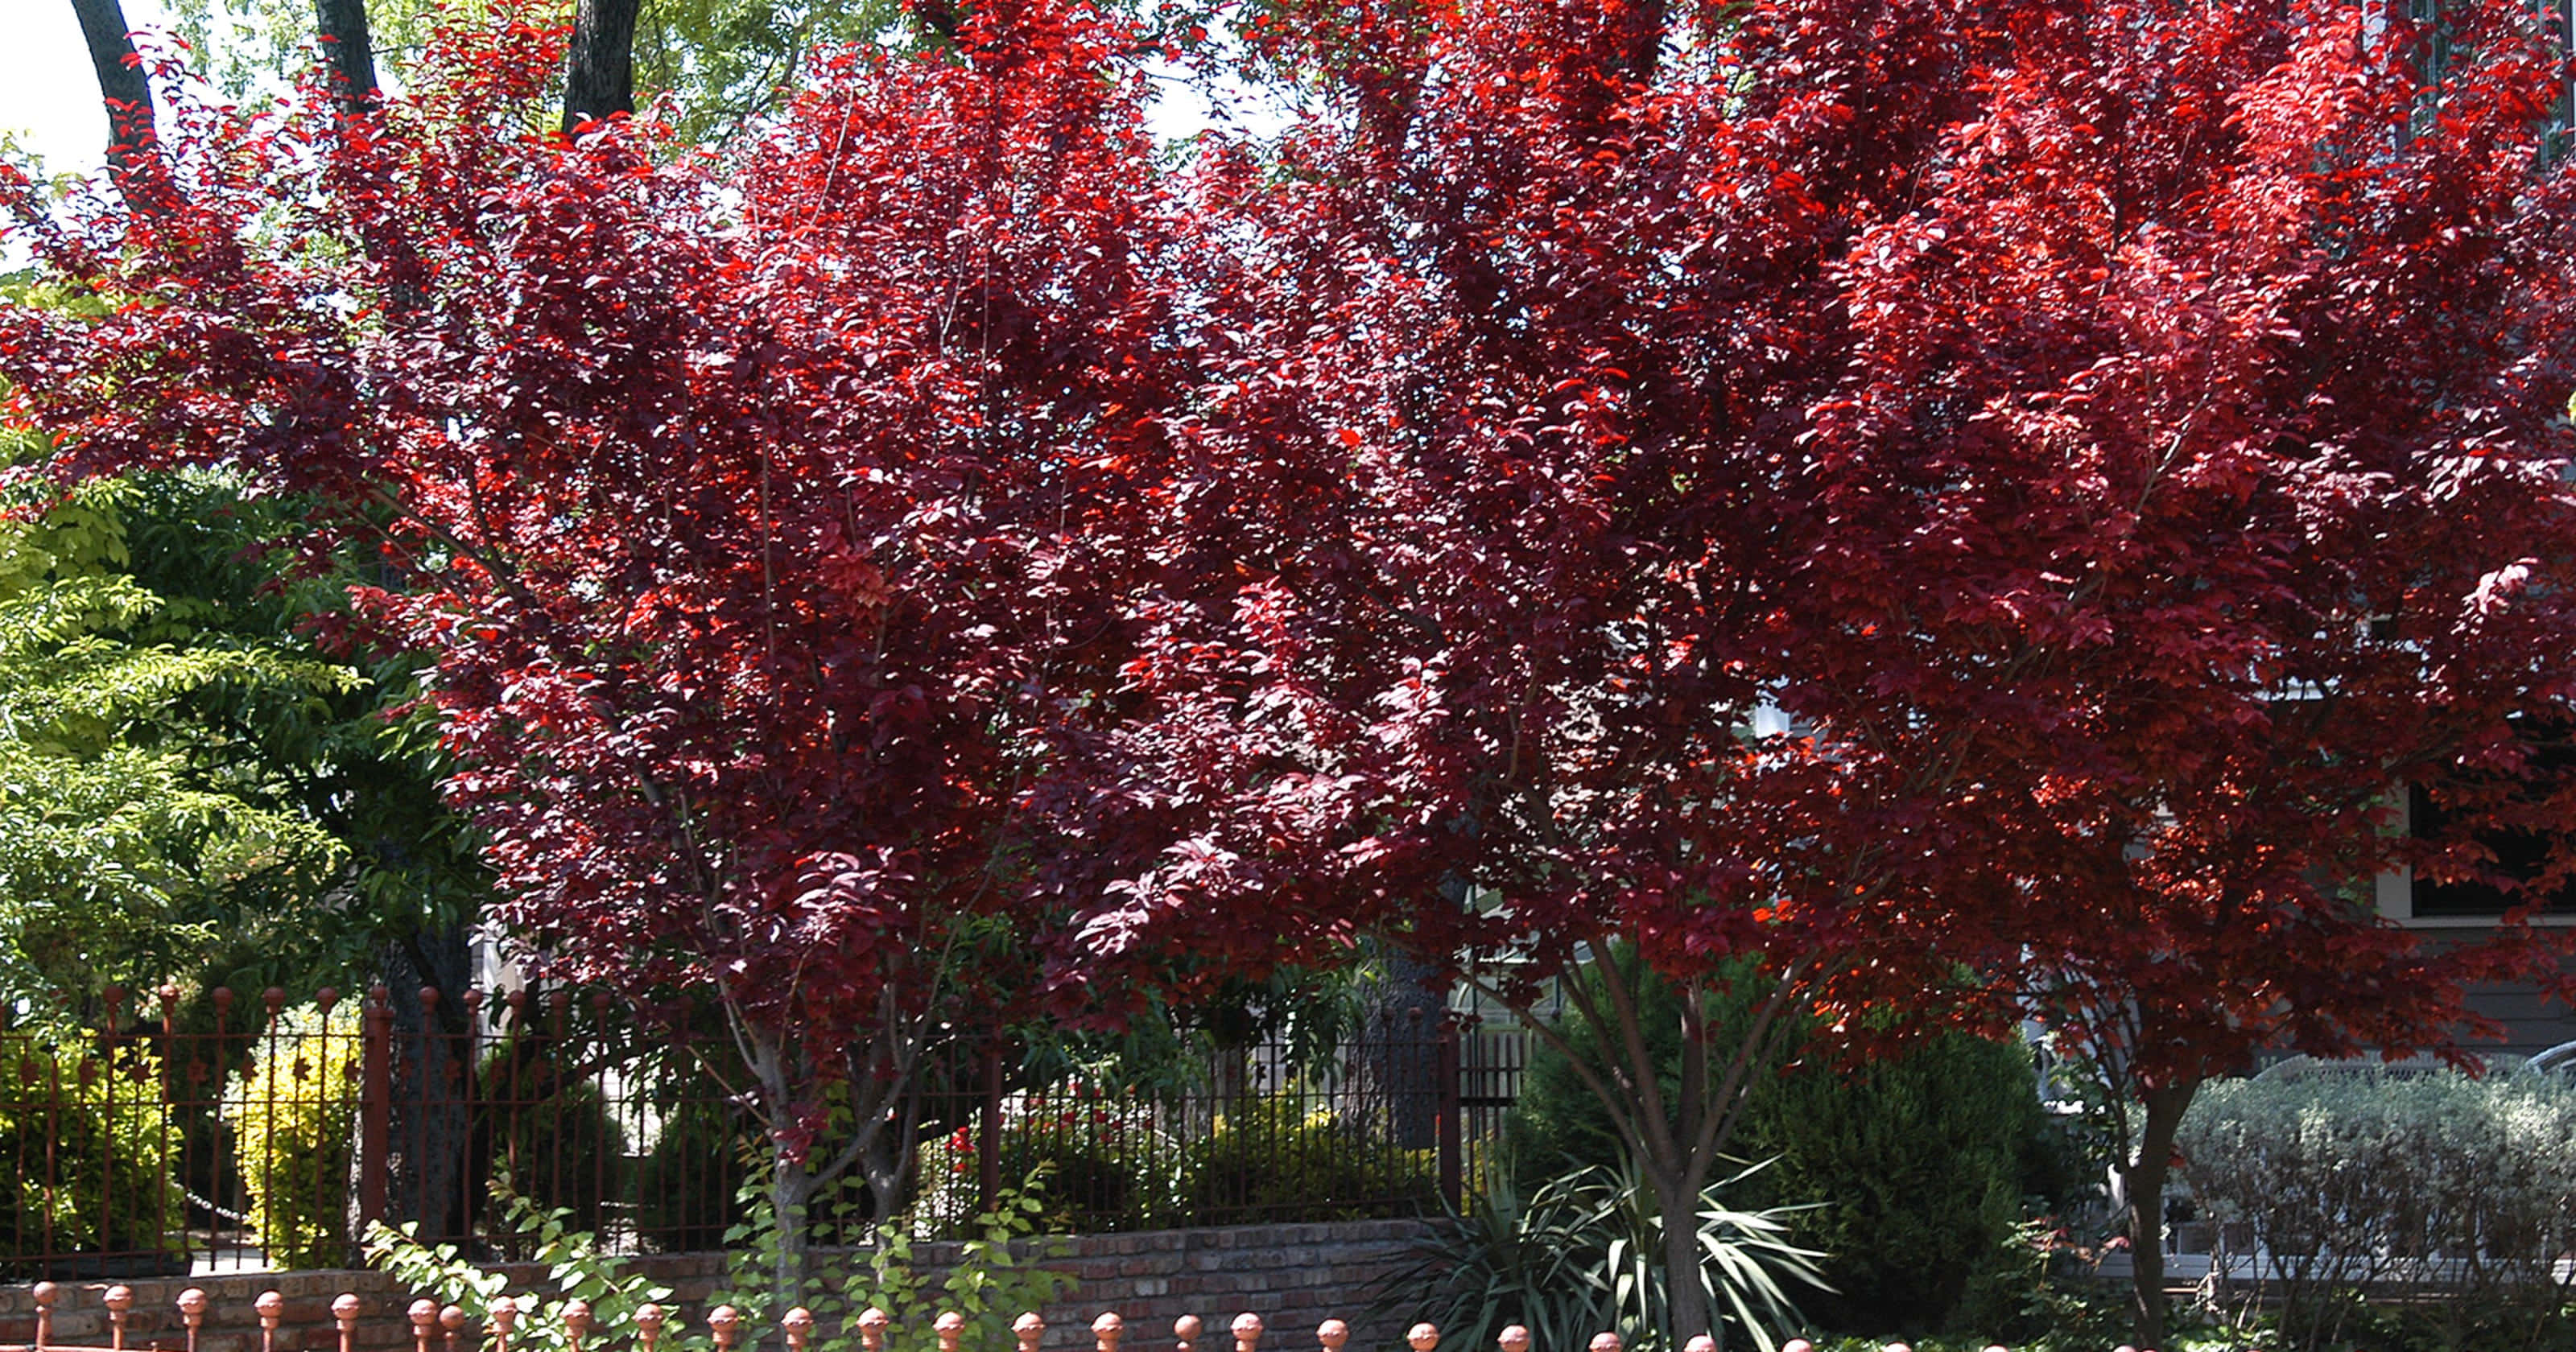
(765, 517)
(1988, 498)
(2124, 442)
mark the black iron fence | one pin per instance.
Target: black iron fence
(221, 1136)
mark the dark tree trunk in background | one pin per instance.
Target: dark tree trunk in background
(1402, 1035)
(426, 1174)
(121, 85)
(599, 75)
(348, 51)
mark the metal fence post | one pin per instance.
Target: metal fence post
(375, 1103)
(1452, 1166)
(988, 1130)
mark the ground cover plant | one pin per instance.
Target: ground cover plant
(1948, 509)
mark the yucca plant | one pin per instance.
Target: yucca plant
(1746, 1264)
(1583, 1253)
(1505, 1261)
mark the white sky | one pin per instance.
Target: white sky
(48, 97)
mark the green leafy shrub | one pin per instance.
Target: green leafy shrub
(88, 1147)
(1275, 1160)
(1000, 1272)
(293, 1114)
(1912, 1172)
(1917, 1168)
(575, 1264)
(1093, 1160)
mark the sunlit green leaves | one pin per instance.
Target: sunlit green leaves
(115, 839)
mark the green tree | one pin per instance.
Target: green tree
(722, 62)
(119, 853)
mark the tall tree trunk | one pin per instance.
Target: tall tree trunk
(1677, 1195)
(349, 52)
(429, 1175)
(121, 86)
(784, 1076)
(599, 75)
(791, 1192)
(2142, 1178)
(1400, 1034)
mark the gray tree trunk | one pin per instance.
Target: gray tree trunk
(121, 85)
(1402, 1039)
(349, 51)
(599, 74)
(428, 1138)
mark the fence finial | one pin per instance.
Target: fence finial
(1247, 1332)
(1606, 1342)
(1331, 1334)
(1702, 1343)
(1896, 1347)
(118, 1301)
(1185, 1331)
(423, 1315)
(1516, 1338)
(798, 1324)
(724, 1321)
(46, 1293)
(950, 1326)
(1422, 1337)
(451, 1321)
(576, 1322)
(1028, 1328)
(272, 1309)
(872, 1327)
(192, 1313)
(1106, 1331)
(1797, 1345)
(648, 1320)
(505, 1317)
(344, 1312)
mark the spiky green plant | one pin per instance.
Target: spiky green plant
(1583, 1253)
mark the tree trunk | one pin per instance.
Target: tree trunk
(121, 86)
(599, 75)
(791, 1181)
(429, 1175)
(2143, 1179)
(1685, 1303)
(1401, 1035)
(349, 52)
(791, 1189)
(1673, 1141)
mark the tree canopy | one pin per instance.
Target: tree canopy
(1935, 508)
(127, 850)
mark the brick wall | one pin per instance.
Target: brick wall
(1293, 1276)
